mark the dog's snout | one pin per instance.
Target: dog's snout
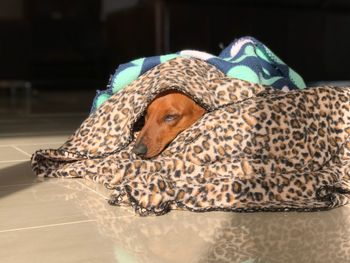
(140, 149)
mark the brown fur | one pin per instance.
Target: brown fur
(168, 114)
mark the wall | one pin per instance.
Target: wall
(11, 9)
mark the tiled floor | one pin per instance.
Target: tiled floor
(67, 220)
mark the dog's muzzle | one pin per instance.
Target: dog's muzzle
(140, 149)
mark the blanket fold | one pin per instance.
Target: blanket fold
(256, 149)
(245, 58)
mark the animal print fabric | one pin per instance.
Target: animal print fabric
(256, 149)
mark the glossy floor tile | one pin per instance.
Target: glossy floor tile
(76, 242)
(33, 139)
(31, 148)
(10, 153)
(47, 202)
(21, 126)
(69, 220)
(16, 173)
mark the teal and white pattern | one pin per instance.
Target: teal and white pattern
(245, 58)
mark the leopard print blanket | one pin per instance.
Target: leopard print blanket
(256, 149)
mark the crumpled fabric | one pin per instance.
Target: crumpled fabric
(246, 58)
(256, 148)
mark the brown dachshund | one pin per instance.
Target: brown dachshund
(168, 114)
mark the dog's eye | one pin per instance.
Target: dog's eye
(170, 117)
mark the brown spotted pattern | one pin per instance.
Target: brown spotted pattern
(257, 149)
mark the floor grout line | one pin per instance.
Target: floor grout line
(31, 144)
(15, 161)
(19, 185)
(31, 134)
(84, 185)
(46, 226)
(21, 151)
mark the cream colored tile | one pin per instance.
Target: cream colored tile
(47, 124)
(95, 187)
(34, 205)
(19, 173)
(33, 140)
(52, 201)
(16, 173)
(30, 149)
(233, 237)
(62, 217)
(9, 153)
(175, 237)
(70, 243)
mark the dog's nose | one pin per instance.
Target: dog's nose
(140, 149)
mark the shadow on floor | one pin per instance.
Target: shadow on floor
(16, 177)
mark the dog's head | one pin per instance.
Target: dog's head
(168, 114)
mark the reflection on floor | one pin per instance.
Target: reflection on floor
(58, 220)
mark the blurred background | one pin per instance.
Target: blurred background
(54, 54)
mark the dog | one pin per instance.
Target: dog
(167, 115)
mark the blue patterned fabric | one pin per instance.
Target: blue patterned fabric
(245, 58)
